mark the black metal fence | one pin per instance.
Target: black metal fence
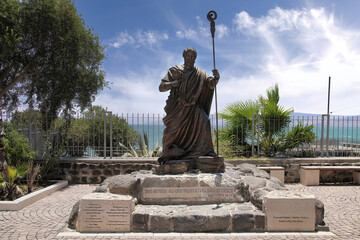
(109, 135)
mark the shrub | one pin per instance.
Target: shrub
(79, 133)
(17, 147)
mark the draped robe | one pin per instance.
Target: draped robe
(187, 133)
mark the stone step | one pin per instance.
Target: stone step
(225, 217)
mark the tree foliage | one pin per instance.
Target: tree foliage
(239, 116)
(272, 121)
(274, 118)
(48, 55)
(17, 148)
(9, 185)
(88, 131)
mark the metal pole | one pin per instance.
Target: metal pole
(111, 142)
(252, 135)
(328, 120)
(322, 135)
(29, 127)
(35, 132)
(211, 16)
(258, 134)
(104, 134)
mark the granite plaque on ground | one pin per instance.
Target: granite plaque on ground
(105, 212)
(289, 211)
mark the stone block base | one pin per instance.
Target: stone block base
(289, 211)
(234, 217)
(309, 177)
(105, 212)
(205, 164)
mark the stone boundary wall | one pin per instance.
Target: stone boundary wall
(96, 170)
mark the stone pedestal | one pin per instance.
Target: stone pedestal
(189, 189)
(289, 211)
(205, 164)
(309, 177)
(105, 212)
(238, 200)
(210, 164)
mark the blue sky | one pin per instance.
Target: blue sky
(296, 44)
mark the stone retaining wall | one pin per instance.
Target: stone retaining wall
(97, 170)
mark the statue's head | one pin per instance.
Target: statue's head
(189, 55)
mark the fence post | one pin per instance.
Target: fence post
(327, 133)
(104, 134)
(322, 135)
(35, 132)
(29, 127)
(252, 135)
(258, 133)
(111, 142)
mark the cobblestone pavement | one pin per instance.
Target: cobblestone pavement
(46, 218)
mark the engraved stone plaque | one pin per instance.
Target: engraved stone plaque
(188, 194)
(105, 212)
(289, 211)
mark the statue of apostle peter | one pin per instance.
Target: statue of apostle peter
(187, 133)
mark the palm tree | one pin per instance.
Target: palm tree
(8, 185)
(274, 118)
(238, 117)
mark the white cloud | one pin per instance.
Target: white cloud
(202, 31)
(222, 31)
(136, 91)
(140, 38)
(122, 39)
(296, 48)
(300, 49)
(188, 34)
(243, 21)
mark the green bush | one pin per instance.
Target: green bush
(10, 187)
(297, 136)
(79, 133)
(17, 147)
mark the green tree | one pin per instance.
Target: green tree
(238, 116)
(88, 131)
(48, 55)
(274, 118)
(274, 122)
(17, 148)
(295, 137)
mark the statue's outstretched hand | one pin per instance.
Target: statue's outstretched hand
(216, 74)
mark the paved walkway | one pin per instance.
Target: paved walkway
(47, 218)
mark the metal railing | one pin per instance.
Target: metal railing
(111, 135)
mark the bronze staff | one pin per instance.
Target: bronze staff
(211, 16)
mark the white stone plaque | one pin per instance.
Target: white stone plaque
(289, 211)
(188, 193)
(105, 212)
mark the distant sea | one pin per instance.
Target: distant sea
(154, 132)
(344, 129)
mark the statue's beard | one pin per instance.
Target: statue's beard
(189, 65)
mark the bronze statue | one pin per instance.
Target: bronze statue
(187, 134)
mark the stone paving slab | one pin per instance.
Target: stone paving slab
(46, 218)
